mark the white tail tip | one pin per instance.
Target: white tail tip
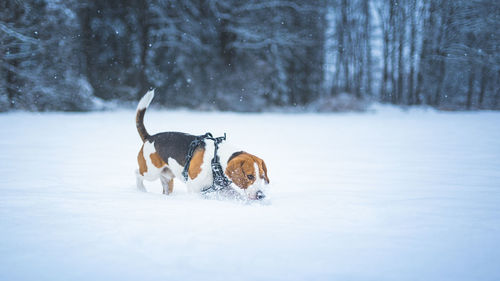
(146, 100)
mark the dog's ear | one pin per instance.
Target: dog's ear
(263, 170)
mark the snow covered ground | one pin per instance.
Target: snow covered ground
(390, 195)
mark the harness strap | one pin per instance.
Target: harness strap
(220, 181)
(192, 147)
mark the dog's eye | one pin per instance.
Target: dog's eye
(251, 177)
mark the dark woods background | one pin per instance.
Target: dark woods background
(249, 55)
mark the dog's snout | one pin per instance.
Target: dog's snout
(259, 195)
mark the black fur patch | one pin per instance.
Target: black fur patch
(173, 145)
(235, 155)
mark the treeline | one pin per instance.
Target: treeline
(249, 55)
(238, 55)
(443, 53)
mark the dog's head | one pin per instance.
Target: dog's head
(249, 173)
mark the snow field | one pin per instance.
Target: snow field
(386, 195)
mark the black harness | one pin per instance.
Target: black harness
(220, 180)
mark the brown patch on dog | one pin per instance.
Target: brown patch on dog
(195, 165)
(156, 160)
(241, 169)
(143, 168)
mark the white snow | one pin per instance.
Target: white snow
(390, 195)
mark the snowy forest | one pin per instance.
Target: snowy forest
(238, 55)
(372, 128)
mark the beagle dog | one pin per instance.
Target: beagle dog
(163, 156)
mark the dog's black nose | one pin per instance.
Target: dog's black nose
(259, 195)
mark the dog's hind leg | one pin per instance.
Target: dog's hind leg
(167, 181)
(139, 181)
(168, 185)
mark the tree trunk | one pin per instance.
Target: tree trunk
(484, 80)
(413, 34)
(442, 78)
(87, 37)
(401, 68)
(385, 72)
(470, 91)
(424, 51)
(392, 20)
(12, 83)
(497, 95)
(440, 55)
(368, 51)
(360, 67)
(345, 35)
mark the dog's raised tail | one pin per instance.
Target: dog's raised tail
(141, 110)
